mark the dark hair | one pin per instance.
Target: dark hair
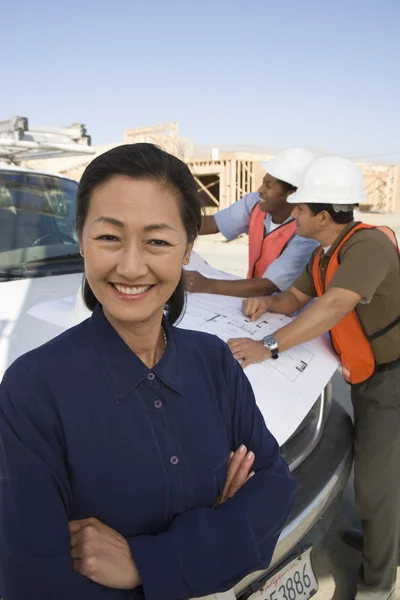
(143, 161)
(287, 187)
(341, 217)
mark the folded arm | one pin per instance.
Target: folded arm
(203, 551)
(209, 550)
(35, 559)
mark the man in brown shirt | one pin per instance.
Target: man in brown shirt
(355, 273)
(369, 266)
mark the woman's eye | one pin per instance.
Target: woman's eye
(108, 238)
(158, 243)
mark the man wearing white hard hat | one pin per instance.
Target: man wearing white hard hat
(355, 276)
(277, 255)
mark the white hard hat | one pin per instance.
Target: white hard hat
(330, 180)
(289, 164)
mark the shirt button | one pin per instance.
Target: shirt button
(174, 460)
(158, 404)
(151, 376)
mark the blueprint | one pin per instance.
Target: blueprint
(286, 388)
(229, 322)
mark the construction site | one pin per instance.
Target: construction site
(223, 177)
(37, 221)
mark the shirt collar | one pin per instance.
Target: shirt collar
(268, 218)
(339, 238)
(122, 368)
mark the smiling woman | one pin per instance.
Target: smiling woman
(110, 487)
(156, 195)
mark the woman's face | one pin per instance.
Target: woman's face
(134, 243)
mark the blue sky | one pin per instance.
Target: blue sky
(320, 73)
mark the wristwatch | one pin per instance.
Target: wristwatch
(271, 344)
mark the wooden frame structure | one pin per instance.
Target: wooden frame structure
(224, 178)
(224, 181)
(382, 186)
(165, 135)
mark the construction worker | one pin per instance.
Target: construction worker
(277, 255)
(355, 276)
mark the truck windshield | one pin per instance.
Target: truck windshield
(37, 218)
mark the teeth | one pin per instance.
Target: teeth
(132, 291)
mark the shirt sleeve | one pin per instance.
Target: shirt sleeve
(364, 264)
(208, 550)
(305, 281)
(234, 220)
(35, 559)
(289, 265)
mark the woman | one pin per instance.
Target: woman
(115, 436)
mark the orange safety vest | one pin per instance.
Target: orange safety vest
(349, 340)
(265, 248)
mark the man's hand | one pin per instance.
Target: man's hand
(197, 283)
(256, 307)
(248, 351)
(239, 467)
(102, 555)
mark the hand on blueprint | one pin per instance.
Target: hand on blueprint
(239, 465)
(255, 307)
(197, 283)
(248, 351)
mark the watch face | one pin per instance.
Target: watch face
(270, 342)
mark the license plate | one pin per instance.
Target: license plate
(295, 581)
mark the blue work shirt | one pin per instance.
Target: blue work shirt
(234, 220)
(88, 430)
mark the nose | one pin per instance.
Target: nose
(260, 189)
(295, 211)
(132, 263)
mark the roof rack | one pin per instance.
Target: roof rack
(20, 142)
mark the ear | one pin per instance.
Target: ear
(189, 249)
(325, 218)
(80, 240)
(286, 194)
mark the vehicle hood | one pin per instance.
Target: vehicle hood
(20, 330)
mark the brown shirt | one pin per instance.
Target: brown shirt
(370, 267)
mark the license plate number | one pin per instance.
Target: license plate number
(295, 581)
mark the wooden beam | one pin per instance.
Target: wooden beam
(206, 190)
(205, 168)
(232, 189)
(249, 176)
(210, 185)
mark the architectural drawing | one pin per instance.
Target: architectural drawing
(217, 315)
